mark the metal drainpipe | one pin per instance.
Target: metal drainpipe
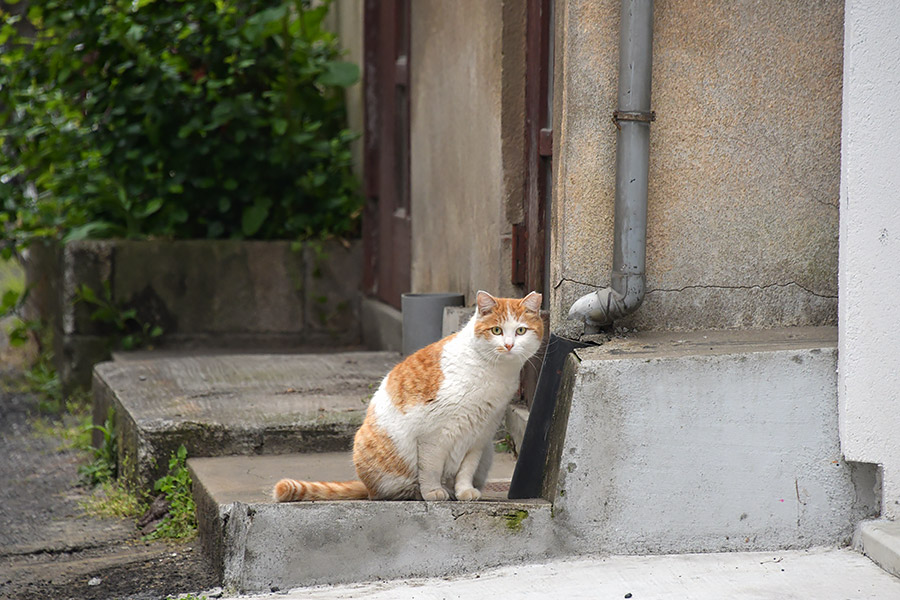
(626, 290)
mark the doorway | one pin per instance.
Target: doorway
(386, 217)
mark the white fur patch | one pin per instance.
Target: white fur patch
(480, 377)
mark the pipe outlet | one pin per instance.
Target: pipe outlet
(602, 307)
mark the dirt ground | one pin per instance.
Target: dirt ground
(49, 549)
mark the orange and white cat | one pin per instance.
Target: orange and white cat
(429, 428)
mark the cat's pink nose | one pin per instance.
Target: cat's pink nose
(508, 346)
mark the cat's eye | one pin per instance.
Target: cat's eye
(521, 330)
(496, 330)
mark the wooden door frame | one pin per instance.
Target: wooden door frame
(530, 236)
(386, 216)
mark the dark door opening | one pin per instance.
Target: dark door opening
(530, 239)
(530, 254)
(386, 218)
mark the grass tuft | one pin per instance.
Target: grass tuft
(112, 499)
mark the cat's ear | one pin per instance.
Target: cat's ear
(485, 303)
(532, 302)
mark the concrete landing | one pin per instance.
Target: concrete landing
(250, 479)
(705, 442)
(235, 404)
(259, 545)
(819, 574)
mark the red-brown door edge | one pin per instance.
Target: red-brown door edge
(386, 217)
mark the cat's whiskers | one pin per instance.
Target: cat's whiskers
(533, 363)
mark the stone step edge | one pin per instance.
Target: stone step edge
(880, 541)
(270, 547)
(223, 530)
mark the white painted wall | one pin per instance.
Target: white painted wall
(869, 263)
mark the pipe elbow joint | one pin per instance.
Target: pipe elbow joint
(604, 306)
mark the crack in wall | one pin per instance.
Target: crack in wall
(566, 279)
(745, 287)
(710, 287)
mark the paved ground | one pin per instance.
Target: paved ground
(48, 549)
(820, 574)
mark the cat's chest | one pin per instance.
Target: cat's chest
(470, 377)
(478, 386)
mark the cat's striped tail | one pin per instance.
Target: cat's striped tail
(291, 490)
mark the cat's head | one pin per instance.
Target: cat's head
(509, 327)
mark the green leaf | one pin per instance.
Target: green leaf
(264, 24)
(253, 218)
(86, 293)
(151, 207)
(88, 230)
(10, 299)
(339, 74)
(279, 126)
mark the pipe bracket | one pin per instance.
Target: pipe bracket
(633, 115)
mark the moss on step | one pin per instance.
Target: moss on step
(514, 519)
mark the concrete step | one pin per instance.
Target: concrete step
(880, 541)
(258, 545)
(237, 404)
(705, 442)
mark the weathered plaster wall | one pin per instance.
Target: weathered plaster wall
(869, 319)
(346, 19)
(744, 162)
(466, 62)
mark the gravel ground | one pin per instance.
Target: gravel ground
(49, 549)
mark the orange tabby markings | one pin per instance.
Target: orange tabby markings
(289, 490)
(416, 380)
(374, 453)
(403, 453)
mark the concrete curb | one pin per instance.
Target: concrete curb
(880, 541)
(820, 573)
(271, 547)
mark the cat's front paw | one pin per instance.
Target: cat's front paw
(468, 494)
(436, 495)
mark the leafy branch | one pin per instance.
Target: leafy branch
(142, 119)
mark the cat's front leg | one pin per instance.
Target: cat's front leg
(431, 468)
(464, 488)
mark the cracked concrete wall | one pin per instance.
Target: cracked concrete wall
(744, 162)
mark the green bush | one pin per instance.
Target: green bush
(173, 119)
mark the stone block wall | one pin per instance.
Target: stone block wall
(245, 295)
